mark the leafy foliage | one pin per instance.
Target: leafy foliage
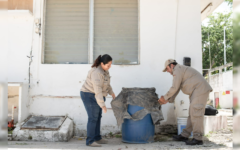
(213, 39)
(236, 37)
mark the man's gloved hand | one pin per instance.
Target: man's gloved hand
(162, 101)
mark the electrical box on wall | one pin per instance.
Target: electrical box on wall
(187, 61)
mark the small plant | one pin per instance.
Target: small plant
(160, 138)
(118, 136)
(163, 139)
(218, 107)
(207, 135)
(221, 144)
(10, 132)
(30, 137)
(111, 134)
(211, 132)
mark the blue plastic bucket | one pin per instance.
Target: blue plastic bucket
(141, 131)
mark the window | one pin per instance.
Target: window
(77, 31)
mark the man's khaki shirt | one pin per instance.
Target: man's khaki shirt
(188, 80)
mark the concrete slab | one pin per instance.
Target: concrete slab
(36, 122)
(64, 134)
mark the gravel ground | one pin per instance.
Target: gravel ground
(214, 140)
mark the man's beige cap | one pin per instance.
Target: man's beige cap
(169, 61)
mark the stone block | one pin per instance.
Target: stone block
(214, 123)
(64, 134)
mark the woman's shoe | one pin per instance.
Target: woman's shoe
(102, 141)
(94, 144)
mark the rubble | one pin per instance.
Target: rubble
(166, 129)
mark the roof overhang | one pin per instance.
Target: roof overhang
(208, 6)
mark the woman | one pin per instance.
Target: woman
(94, 90)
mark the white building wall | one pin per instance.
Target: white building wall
(221, 83)
(167, 30)
(3, 74)
(20, 31)
(188, 44)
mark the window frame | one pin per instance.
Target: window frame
(90, 35)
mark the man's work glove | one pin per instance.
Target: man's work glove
(162, 101)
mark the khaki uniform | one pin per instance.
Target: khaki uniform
(192, 83)
(98, 82)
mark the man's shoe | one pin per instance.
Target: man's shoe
(194, 142)
(102, 141)
(179, 138)
(94, 144)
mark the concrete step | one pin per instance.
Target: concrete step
(230, 121)
(64, 134)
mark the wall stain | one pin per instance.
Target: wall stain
(12, 96)
(51, 96)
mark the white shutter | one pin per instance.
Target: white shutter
(116, 30)
(66, 31)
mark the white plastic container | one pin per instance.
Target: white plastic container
(182, 123)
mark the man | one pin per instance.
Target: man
(192, 83)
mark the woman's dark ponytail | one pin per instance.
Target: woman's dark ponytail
(97, 62)
(102, 59)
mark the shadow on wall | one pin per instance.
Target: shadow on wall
(171, 117)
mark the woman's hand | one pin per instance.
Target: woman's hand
(104, 109)
(113, 96)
